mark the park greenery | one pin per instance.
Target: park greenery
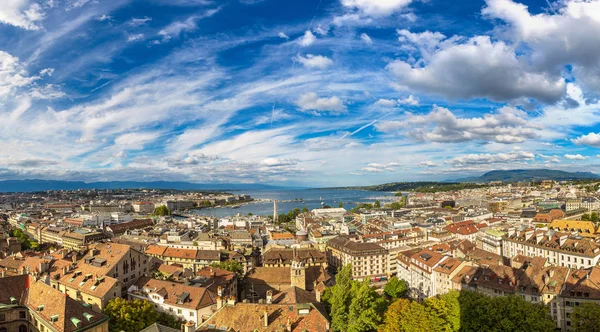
(134, 316)
(356, 306)
(26, 242)
(161, 211)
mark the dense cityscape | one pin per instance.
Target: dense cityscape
(144, 260)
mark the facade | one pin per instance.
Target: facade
(558, 248)
(369, 260)
(188, 258)
(30, 305)
(143, 207)
(189, 303)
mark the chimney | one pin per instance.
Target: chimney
(318, 295)
(220, 291)
(231, 300)
(562, 240)
(288, 326)
(74, 257)
(219, 302)
(3, 273)
(64, 270)
(266, 319)
(269, 299)
(188, 326)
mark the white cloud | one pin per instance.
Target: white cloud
(364, 37)
(307, 39)
(575, 157)
(283, 35)
(23, 14)
(321, 30)
(568, 36)
(552, 159)
(386, 103)
(591, 139)
(190, 24)
(135, 38)
(376, 8)
(47, 71)
(352, 20)
(104, 18)
(499, 74)
(487, 158)
(315, 61)
(311, 101)
(508, 125)
(410, 100)
(427, 163)
(135, 22)
(13, 75)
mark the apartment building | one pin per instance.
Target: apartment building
(30, 305)
(276, 257)
(416, 267)
(369, 260)
(189, 258)
(143, 207)
(558, 248)
(188, 303)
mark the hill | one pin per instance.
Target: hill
(44, 185)
(518, 175)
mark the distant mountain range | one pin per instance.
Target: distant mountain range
(44, 185)
(518, 175)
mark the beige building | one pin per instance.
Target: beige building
(368, 260)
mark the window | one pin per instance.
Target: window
(3, 318)
(22, 315)
(179, 311)
(191, 314)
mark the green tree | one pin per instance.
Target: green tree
(161, 211)
(453, 309)
(170, 321)
(130, 316)
(304, 209)
(396, 288)
(594, 217)
(396, 206)
(341, 205)
(585, 217)
(377, 204)
(339, 299)
(366, 308)
(586, 317)
(231, 266)
(406, 316)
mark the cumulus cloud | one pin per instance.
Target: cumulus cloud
(568, 36)
(507, 125)
(575, 157)
(376, 8)
(314, 61)
(386, 103)
(13, 76)
(23, 14)
(278, 162)
(410, 100)
(478, 68)
(427, 163)
(307, 39)
(312, 101)
(321, 30)
(591, 139)
(487, 158)
(379, 168)
(283, 35)
(352, 20)
(364, 37)
(552, 159)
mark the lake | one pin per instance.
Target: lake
(309, 198)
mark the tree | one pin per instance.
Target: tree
(304, 209)
(396, 288)
(405, 315)
(594, 217)
(585, 217)
(396, 206)
(162, 211)
(130, 316)
(168, 320)
(341, 205)
(353, 306)
(231, 266)
(586, 317)
(377, 204)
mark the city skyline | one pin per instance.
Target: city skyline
(321, 93)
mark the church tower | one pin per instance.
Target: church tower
(298, 271)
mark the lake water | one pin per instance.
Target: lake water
(309, 198)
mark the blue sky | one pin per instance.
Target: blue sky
(302, 92)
